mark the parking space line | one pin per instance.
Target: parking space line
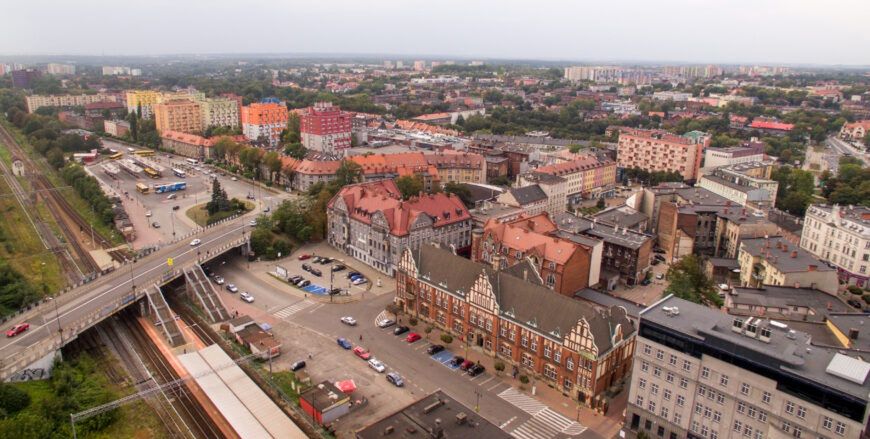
(495, 386)
(484, 382)
(315, 308)
(478, 376)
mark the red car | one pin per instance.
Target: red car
(412, 337)
(305, 256)
(17, 329)
(466, 364)
(362, 352)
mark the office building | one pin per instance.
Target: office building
(24, 78)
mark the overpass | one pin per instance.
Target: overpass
(54, 323)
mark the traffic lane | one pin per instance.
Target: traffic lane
(266, 297)
(112, 286)
(410, 359)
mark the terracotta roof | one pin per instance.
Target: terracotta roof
(193, 139)
(317, 167)
(580, 164)
(769, 124)
(433, 116)
(410, 125)
(859, 123)
(104, 105)
(528, 235)
(367, 200)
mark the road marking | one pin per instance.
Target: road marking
(506, 423)
(476, 377)
(484, 382)
(316, 307)
(421, 346)
(288, 311)
(545, 423)
(497, 384)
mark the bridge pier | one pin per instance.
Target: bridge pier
(39, 369)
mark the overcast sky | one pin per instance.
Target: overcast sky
(727, 31)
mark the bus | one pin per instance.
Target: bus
(145, 153)
(179, 173)
(192, 162)
(142, 188)
(151, 173)
(116, 156)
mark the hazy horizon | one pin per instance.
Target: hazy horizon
(799, 32)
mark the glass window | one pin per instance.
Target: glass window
(744, 388)
(705, 372)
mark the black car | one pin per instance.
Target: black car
(176, 207)
(476, 370)
(457, 360)
(401, 330)
(353, 273)
(315, 272)
(325, 260)
(855, 303)
(645, 282)
(297, 365)
(335, 291)
(306, 267)
(208, 271)
(434, 349)
(338, 267)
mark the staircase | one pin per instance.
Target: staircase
(164, 318)
(202, 292)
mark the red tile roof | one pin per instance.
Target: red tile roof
(529, 235)
(365, 200)
(317, 167)
(769, 124)
(580, 164)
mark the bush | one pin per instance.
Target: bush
(499, 366)
(12, 399)
(855, 290)
(393, 309)
(866, 297)
(524, 379)
(412, 321)
(446, 338)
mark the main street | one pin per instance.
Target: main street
(841, 147)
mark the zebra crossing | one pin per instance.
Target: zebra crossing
(288, 311)
(545, 423)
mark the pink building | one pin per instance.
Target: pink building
(656, 150)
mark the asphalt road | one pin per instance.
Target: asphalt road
(843, 148)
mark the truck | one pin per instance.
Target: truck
(170, 187)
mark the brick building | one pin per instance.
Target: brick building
(326, 128)
(508, 314)
(656, 150)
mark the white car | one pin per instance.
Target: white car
(360, 281)
(252, 223)
(172, 196)
(235, 179)
(386, 323)
(377, 365)
(348, 320)
(195, 242)
(232, 288)
(148, 214)
(247, 297)
(218, 280)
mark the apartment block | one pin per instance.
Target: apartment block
(699, 373)
(219, 112)
(178, 115)
(840, 235)
(326, 128)
(734, 224)
(117, 128)
(655, 150)
(747, 184)
(585, 177)
(775, 261)
(60, 69)
(371, 223)
(24, 78)
(507, 314)
(554, 186)
(35, 102)
(752, 151)
(264, 121)
(142, 101)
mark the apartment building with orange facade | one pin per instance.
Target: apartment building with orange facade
(656, 150)
(508, 314)
(264, 121)
(179, 115)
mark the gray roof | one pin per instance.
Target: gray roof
(606, 301)
(860, 321)
(416, 421)
(526, 304)
(543, 178)
(528, 194)
(768, 296)
(482, 192)
(782, 254)
(569, 223)
(790, 352)
(622, 216)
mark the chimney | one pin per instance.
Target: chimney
(794, 254)
(853, 333)
(812, 267)
(526, 275)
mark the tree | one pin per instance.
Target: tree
(12, 399)
(574, 148)
(461, 191)
(409, 186)
(499, 366)
(272, 161)
(219, 200)
(866, 139)
(688, 281)
(55, 158)
(295, 150)
(348, 172)
(292, 133)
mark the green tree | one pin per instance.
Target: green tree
(12, 400)
(348, 173)
(461, 191)
(295, 150)
(409, 186)
(688, 281)
(219, 200)
(292, 133)
(273, 162)
(134, 126)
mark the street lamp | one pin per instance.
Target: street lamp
(57, 318)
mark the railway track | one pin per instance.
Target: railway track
(194, 416)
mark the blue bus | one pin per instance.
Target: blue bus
(170, 187)
(179, 173)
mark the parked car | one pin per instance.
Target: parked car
(155, 224)
(395, 379)
(316, 259)
(304, 283)
(362, 352)
(17, 329)
(348, 320)
(172, 196)
(343, 343)
(306, 267)
(334, 291)
(457, 360)
(325, 260)
(386, 323)
(195, 242)
(400, 330)
(148, 214)
(412, 337)
(297, 365)
(645, 282)
(359, 281)
(434, 349)
(655, 262)
(247, 297)
(476, 370)
(855, 303)
(660, 276)
(252, 223)
(219, 280)
(232, 288)
(295, 278)
(377, 365)
(316, 272)
(176, 207)
(304, 256)
(338, 267)
(352, 274)
(466, 364)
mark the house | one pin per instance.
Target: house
(531, 199)
(325, 403)
(261, 343)
(775, 261)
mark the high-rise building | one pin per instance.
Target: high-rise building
(655, 150)
(178, 115)
(700, 373)
(419, 66)
(60, 69)
(264, 120)
(219, 112)
(143, 101)
(34, 102)
(24, 78)
(326, 128)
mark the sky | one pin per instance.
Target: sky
(818, 32)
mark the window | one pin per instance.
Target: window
(717, 416)
(827, 423)
(657, 371)
(759, 434)
(786, 426)
(714, 434)
(661, 431)
(801, 412)
(708, 413)
(723, 380)
(698, 408)
(741, 407)
(738, 426)
(569, 364)
(673, 360)
(664, 412)
(687, 366)
(641, 383)
(695, 426)
(744, 389)
(684, 383)
(678, 418)
(660, 354)
(647, 350)
(765, 397)
(654, 389)
(557, 357)
(720, 398)
(639, 401)
(648, 424)
(549, 372)
(546, 351)
(840, 429)
(789, 407)
(651, 406)
(705, 372)
(534, 346)
(751, 412)
(797, 432)
(747, 430)
(681, 401)
(702, 390)
(525, 341)
(669, 377)
(762, 416)
(667, 395)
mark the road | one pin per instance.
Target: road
(84, 301)
(844, 148)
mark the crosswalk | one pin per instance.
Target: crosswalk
(288, 311)
(545, 423)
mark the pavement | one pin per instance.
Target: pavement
(841, 147)
(308, 327)
(645, 294)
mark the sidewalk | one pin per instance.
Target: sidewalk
(606, 426)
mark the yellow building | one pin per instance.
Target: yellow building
(219, 112)
(178, 115)
(144, 99)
